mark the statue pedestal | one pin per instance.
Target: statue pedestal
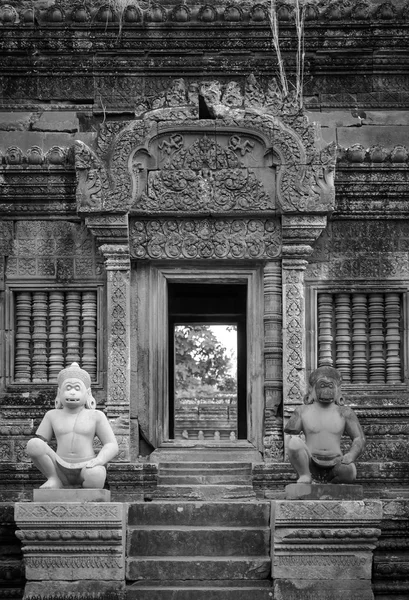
(71, 495)
(323, 491)
(71, 544)
(324, 548)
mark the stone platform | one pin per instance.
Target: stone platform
(179, 550)
(321, 491)
(71, 495)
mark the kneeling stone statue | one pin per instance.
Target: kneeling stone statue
(323, 420)
(74, 422)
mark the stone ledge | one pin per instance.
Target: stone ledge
(71, 495)
(317, 491)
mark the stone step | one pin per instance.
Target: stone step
(247, 472)
(201, 590)
(199, 514)
(192, 541)
(205, 479)
(204, 493)
(197, 568)
(205, 465)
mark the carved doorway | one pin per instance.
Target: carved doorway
(159, 308)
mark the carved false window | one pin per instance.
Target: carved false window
(361, 334)
(53, 329)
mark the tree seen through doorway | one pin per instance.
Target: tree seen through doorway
(203, 364)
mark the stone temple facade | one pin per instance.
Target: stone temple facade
(147, 149)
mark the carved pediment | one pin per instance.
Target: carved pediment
(171, 160)
(203, 172)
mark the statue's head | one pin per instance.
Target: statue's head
(76, 383)
(324, 386)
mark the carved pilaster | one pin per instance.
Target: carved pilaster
(293, 331)
(273, 383)
(111, 232)
(299, 235)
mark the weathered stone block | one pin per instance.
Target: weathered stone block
(14, 121)
(200, 514)
(71, 495)
(324, 541)
(198, 542)
(218, 568)
(307, 491)
(75, 590)
(61, 121)
(294, 589)
(322, 564)
(72, 541)
(202, 590)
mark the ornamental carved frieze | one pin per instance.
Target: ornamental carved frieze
(205, 239)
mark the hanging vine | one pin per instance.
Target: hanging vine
(299, 10)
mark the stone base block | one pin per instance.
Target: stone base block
(71, 495)
(331, 564)
(321, 491)
(71, 541)
(74, 590)
(183, 568)
(297, 589)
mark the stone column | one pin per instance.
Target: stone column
(273, 361)
(324, 549)
(111, 232)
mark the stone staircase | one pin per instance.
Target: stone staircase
(198, 551)
(205, 481)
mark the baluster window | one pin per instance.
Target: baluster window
(54, 329)
(361, 334)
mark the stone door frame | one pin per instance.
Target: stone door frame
(149, 353)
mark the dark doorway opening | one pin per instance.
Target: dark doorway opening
(207, 309)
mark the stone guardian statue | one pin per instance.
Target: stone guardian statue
(74, 423)
(323, 420)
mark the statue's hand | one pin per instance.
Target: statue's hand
(95, 462)
(347, 459)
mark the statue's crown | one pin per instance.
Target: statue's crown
(74, 371)
(325, 372)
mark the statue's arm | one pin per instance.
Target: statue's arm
(45, 429)
(109, 444)
(354, 430)
(294, 425)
